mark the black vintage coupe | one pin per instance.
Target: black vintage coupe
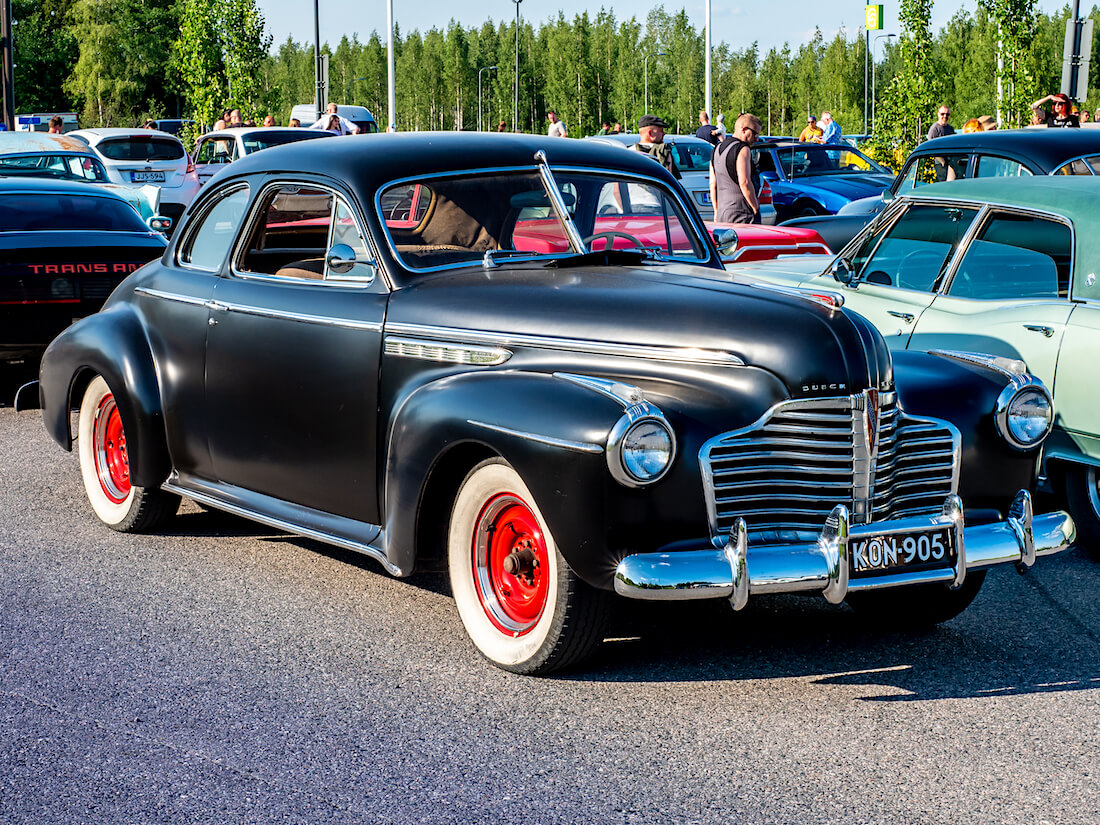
(520, 359)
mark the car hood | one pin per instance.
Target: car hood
(806, 345)
(851, 187)
(794, 269)
(871, 205)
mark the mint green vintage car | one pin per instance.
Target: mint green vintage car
(1001, 266)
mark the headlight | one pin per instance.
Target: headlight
(640, 447)
(1024, 414)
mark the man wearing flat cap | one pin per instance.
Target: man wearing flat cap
(651, 131)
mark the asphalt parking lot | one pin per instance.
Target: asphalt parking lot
(224, 673)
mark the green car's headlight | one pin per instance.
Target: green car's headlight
(1024, 414)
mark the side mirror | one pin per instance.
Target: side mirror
(887, 195)
(726, 241)
(340, 259)
(841, 270)
(159, 223)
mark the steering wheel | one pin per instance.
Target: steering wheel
(610, 236)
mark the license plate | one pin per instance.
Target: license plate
(147, 177)
(703, 198)
(900, 551)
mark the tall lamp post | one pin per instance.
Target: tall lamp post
(317, 57)
(646, 64)
(479, 71)
(353, 80)
(874, 97)
(515, 101)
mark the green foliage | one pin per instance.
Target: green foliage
(123, 59)
(1015, 24)
(220, 55)
(907, 108)
(45, 49)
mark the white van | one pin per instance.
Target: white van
(41, 122)
(359, 115)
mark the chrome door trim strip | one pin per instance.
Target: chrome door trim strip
(448, 352)
(172, 296)
(301, 317)
(685, 355)
(180, 486)
(576, 446)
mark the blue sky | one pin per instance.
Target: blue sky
(737, 22)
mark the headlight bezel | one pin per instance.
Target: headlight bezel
(634, 417)
(1018, 389)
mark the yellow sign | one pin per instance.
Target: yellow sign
(874, 17)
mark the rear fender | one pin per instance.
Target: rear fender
(112, 344)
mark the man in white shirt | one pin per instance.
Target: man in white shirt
(557, 128)
(344, 126)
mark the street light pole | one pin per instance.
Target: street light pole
(317, 57)
(874, 96)
(515, 102)
(353, 80)
(646, 64)
(479, 71)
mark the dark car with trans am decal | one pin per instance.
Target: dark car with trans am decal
(63, 247)
(451, 350)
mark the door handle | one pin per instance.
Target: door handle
(1046, 331)
(907, 317)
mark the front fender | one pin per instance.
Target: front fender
(991, 471)
(112, 344)
(550, 430)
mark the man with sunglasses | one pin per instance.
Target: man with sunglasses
(734, 180)
(1062, 114)
(941, 127)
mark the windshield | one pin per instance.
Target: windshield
(457, 220)
(255, 141)
(800, 161)
(140, 147)
(26, 212)
(65, 167)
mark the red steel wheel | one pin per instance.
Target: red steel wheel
(111, 462)
(523, 607)
(104, 453)
(511, 563)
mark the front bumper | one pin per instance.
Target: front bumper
(735, 570)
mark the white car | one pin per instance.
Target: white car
(136, 157)
(215, 149)
(693, 161)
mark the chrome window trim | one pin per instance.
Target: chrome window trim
(1083, 158)
(576, 446)
(655, 352)
(196, 222)
(980, 222)
(254, 217)
(689, 212)
(447, 352)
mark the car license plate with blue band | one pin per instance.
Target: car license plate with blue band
(897, 552)
(147, 177)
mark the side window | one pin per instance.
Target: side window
(992, 167)
(1016, 256)
(915, 250)
(345, 230)
(1081, 166)
(290, 236)
(206, 245)
(928, 169)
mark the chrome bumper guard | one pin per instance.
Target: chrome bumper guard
(735, 571)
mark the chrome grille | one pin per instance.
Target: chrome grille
(786, 472)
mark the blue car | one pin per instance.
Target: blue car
(815, 179)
